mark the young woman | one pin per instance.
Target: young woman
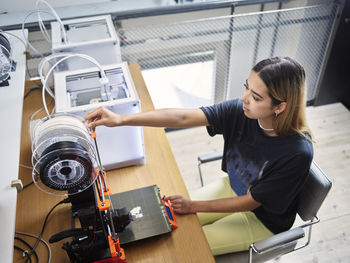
(267, 155)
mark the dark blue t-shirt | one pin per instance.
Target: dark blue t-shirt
(273, 168)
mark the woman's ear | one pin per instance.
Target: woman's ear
(280, 108)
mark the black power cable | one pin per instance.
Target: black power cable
(64, 201)
(29, 184)
(25, 252)
(31, 89)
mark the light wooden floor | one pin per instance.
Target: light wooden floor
(330, 125)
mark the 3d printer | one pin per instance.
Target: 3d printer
(66, 162)
(93, 36)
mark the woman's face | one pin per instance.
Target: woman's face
(256, 100)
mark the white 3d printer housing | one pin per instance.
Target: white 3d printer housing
(80, 91)
(93, 36)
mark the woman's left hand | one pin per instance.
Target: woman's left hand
(180, 204)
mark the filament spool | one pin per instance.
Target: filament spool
(63, 155)
(66, 165)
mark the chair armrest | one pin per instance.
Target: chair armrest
(278, 239)
(209, 157)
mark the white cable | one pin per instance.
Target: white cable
(41, 24)
(43, 28)
(65, 57)
(21, 40)
(41, 66)
(43, 97)
(45, 86)
(24, 35)
(42, 240)
(45, 60)
(53, 56)
(37, 111)
(44, 79)
(9, 33)
(26, 166)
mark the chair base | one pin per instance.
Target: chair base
(243, 256)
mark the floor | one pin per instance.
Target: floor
(330, 125)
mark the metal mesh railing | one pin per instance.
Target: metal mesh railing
(236, 43)
(189, 42)
(301, 33)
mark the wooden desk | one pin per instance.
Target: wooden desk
(185, 244)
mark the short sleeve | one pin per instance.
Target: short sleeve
(277, 190)
(222, 116)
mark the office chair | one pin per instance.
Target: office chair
(310, 200)
(205, 158)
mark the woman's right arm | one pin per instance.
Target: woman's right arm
(182, 205)
(170, 118)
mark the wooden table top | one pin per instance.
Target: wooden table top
(185, 244)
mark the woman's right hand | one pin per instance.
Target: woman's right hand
(102, 116)
(180, 204)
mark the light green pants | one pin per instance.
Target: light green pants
(228, 232)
